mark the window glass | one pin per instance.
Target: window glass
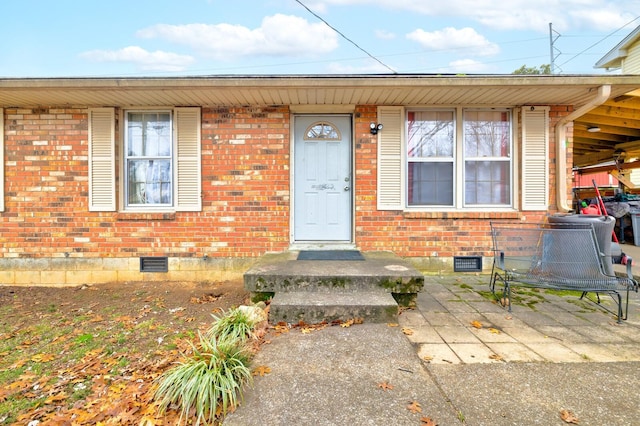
(431, 184)
(430, 149)
(474, 167)
(430, 134)
(148, 161)
(487, 152)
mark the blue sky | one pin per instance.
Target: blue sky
(133, 38)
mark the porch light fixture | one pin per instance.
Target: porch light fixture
(593, 129)
(374, 128)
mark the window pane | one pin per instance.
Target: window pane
(149, 135)
(487, 182)
(149, 181)
(487, 134)
(430, 134)
(430, 184)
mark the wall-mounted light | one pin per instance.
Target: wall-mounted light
(593, 129)
(375, 128)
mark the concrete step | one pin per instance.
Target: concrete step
(380, 271)
(315, 307)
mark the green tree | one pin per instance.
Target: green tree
(542, 69)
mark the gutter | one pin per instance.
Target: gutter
(604, 92)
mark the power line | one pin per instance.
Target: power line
(346, 38)
(600, 41)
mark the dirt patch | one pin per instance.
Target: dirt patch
(90, 354)
(163, 301)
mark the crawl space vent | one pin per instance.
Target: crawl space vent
(467, 263)
(154, 264)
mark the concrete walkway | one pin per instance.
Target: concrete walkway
(462, 358)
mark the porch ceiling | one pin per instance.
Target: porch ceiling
(619, 137)
(618, 119)
(310, 90)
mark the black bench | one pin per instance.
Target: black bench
(559, 257)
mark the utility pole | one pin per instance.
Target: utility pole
(553, 51)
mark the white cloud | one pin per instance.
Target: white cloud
(603, 15)
(451, 38)
(385, 35)
(278, 35)
(467, 66)
(601, 19)
(145, 60)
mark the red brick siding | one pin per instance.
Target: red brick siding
(426, 234)
(245, 186)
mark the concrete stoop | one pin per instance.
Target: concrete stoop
(316, 291)
(311, 308)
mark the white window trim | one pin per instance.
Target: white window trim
(172, 156)
(458, 163)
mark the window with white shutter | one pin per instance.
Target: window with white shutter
(161, 168)
(444, 159)
(535, 158)
(391, 168)
(188, 188)
(102, 160)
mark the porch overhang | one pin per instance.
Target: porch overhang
(404, 89)
(618, 118)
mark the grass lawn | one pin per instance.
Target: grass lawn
(90, 355)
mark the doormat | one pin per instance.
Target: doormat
(330, 255)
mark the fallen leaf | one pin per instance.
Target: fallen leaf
(494, 331)
(385, 386)
(261, 370)
(568, 417)
(428, 421)
(414, 407)
(496, 357)
(476, 324)
(42, 357)
(427, 358)
(206, 298)
(347, 323)
(306, 330)
(407, 331)
(392, 324)
(56, 398)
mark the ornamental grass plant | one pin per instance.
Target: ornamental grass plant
(235, 323)
(209, 382)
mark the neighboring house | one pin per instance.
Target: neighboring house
(625, 56)
(108, 178)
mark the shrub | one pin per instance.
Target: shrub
(236, 323)
(209, 381)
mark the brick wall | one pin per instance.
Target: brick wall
(49, 236)
(429, 234)
(245, 184)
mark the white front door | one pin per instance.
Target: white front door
(322, 178)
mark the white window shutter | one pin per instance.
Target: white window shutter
(1, 160)
(535, 158)
(390, 159)
(102, 160)
(188, 165)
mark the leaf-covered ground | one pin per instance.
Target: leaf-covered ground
(75, 356)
